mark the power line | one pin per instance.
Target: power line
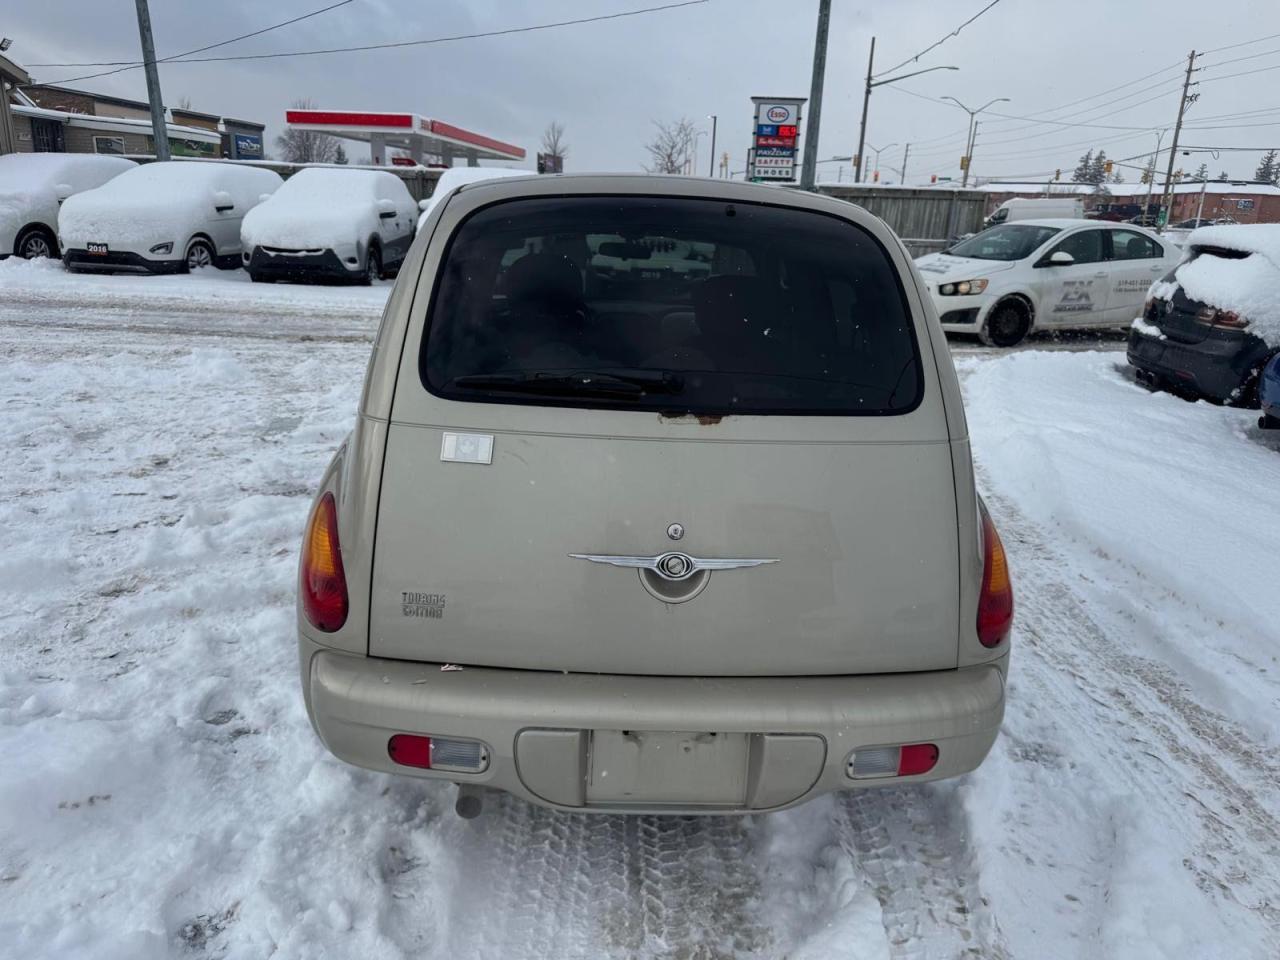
(953, 33)
(434, 40)
(223, 43)
(123, 65)
(1244, 43)
(1242, 73)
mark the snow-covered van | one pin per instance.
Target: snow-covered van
(456, 177)
(34, 185)
(334, 223)
(655, 539)
(1037, 208)
(165, 217)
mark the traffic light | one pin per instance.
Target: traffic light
(1107, 167)
(933, 178)
(964, 163)
(875, 176)
(857, 159)
(1146, 176)
(1057, 174)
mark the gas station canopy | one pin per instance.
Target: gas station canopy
(421, 136)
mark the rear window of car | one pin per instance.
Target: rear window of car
(681, 305)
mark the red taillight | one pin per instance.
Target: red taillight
(410, 751)
(995, 602)
(917, 758)
(1220, 318)
(323, 583)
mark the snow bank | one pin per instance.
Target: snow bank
(45, 282)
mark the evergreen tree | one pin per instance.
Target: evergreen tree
(1083, 169)
(1224, 175)
(1118, 177)
(1202, 172)
(1098, 169)
(1269, 169)
(340, 155)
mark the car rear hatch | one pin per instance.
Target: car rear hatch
(747, 471)
(1182, 318)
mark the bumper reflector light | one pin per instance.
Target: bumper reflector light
(905, 761)
(438, 753)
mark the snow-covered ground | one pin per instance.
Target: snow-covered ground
(162, 794)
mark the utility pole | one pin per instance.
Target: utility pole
(905, 152)
(1183, 103)
(866, 101)
(159, 132)
(711, 169)
(808, 169)
(1151, 174)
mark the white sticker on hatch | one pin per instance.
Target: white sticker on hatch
(467, 448)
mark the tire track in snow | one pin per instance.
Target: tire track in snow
(1204, 759)
(910, 844)
(558, 885)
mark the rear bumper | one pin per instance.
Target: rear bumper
(300, 265)
(538, 725)
(117, 262)
(1217, 367)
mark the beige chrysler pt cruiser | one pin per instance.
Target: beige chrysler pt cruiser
(659, 499)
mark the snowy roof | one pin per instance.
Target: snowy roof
(116, 124)
(1233, 187)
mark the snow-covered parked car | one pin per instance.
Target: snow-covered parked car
(165, 217)
(34, 185)
(1211, 324)
(456, 177)
(330, 223)
(698, 541)
(1012, 279)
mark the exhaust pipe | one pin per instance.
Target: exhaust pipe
(470, 801)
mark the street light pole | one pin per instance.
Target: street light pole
(973, 131)
(903, 173)
(862, 131)
(808, 168)
(879, 150)
(866, 101)
(159, 132)
(711, 171)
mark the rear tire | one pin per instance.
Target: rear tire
(1007, 324)
(36, 242)
(199, 254)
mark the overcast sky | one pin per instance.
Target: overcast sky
(608, 81)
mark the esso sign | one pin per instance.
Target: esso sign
(778, 114)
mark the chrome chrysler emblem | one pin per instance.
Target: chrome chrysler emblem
(673, 566)
(675, 531)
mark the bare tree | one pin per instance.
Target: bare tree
(671, 149)
(184, 103)
(306, 146)
(553, 140)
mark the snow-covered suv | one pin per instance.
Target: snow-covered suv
(330, 223)
(659, 499)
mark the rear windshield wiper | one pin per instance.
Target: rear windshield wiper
(635, 383)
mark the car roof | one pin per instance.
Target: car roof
(1063, 223)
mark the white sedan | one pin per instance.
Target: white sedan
(1045, 275)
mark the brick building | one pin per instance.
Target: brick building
(1245, 201)
(51, 118)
